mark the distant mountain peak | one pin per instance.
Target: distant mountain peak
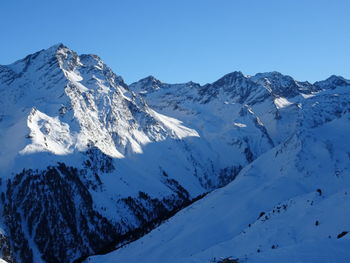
(272, 75)
(57, 46)
(231, 76)
(232, 80)
(332, 82)
(282, 85)
(147, 84)
(151, 79)
(56, 49)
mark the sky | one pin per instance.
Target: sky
(187, 40)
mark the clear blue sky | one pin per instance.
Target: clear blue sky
(182, 40)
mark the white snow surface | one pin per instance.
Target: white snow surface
(282, 102)
(48, 134)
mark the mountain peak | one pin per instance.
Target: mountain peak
(40, 58)
(56, 49)
(230, 78)
(332, 82)
(148, 84)
(57, 46)
(150, 78)
(337, 79)
(282, 85)
(272, 75)
(232, 75)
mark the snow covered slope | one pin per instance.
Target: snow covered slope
(289, 205)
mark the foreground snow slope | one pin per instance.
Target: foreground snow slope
(289, 205)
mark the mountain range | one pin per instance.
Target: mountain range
(244, 169)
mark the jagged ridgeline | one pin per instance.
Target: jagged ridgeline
(88, 163)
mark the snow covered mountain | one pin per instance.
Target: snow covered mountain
(71, 128)
(88, 163)
(288, 205)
